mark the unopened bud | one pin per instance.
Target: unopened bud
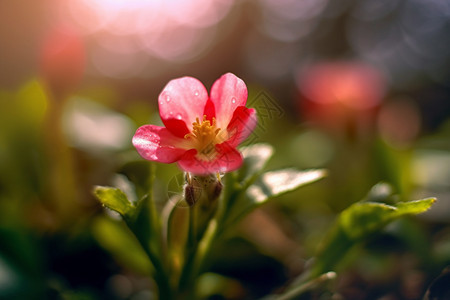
(189, 194)
(218, 187)
(204, 189)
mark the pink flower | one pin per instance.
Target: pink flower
(201, 132)
(62, 60)
(355, 84)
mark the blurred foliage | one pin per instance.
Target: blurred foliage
(61, 134)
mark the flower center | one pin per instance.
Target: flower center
(204, 136)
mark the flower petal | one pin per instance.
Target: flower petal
(227, 93)
(158, 144)
(228, 159)
(209, 111)
(182, 101)
(241, 125)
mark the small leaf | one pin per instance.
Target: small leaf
(255, 158)
(358, 222)
(276, 183)
(114, 199)
(414, 207)
(365, 218)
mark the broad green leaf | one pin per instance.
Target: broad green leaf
(359, 222)
(255, 158)
(114, 199)
(143, 220)
(271, 184)
(362, 219)
(276, 183)
(116, 238)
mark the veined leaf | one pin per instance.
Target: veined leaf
(276, 183)
(270, 185)
(114, 199)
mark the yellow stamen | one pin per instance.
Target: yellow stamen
(204, 135)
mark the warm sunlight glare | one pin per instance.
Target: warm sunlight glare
(172, 30)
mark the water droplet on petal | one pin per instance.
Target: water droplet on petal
(196, 93)
(179, 117)
(168, 99)
(233, 100)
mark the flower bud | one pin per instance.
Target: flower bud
(206, 189)
(189, 194)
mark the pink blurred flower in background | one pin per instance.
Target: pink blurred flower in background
(341, 93)
(356, 85)
(62, 60)
(201, 132)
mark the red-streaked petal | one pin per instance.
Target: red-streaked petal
(228, 159)
(182, 101)
(158, 144)
(241, 125)
(227, 93)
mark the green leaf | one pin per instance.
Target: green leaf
(255, 158)
(275, 183)
(362, 219)
(115, 199)
(358, 222)
(415, 207)
(271, 184)
(116, 238)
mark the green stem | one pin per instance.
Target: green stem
(186, 276)
(161, 276)
(146, 226)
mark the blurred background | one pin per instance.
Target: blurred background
(361, 88)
